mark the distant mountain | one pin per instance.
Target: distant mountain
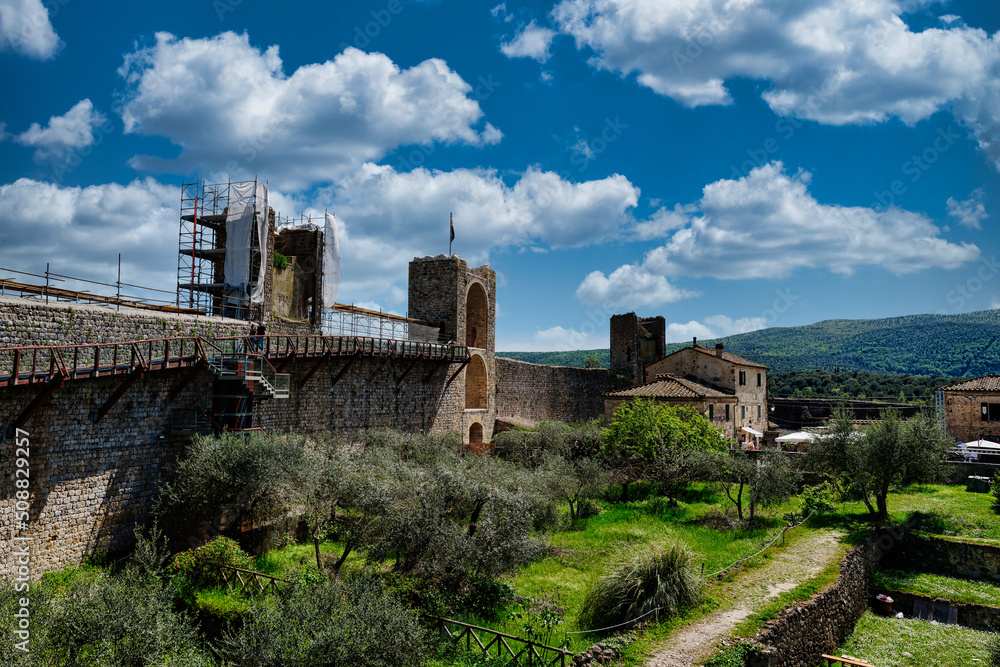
(964, 345)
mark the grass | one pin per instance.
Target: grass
(891, 642)
(935, 585)
(804, 591)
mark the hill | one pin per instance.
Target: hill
(961, 345)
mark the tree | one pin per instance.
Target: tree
(592, 361)
(236, 477)
(765, 480)
(573, 480)
(889, 453)
(666, 443)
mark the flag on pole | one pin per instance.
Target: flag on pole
(451, 219)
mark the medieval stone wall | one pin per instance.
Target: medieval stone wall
(963, 416)
(535, 393)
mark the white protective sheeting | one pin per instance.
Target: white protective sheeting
(245, 199)
(239, 222)
(798, 436)
(331, 263)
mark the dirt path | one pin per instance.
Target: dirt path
(750, 591)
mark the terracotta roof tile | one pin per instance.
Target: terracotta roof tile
(671, 386)
(984, 383)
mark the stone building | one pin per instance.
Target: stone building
(971, 408)
(744, 414)
(635, 342)
(718, 406)
(462, 300)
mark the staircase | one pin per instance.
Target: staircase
(254, 371)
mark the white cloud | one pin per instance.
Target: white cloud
(88, 227)
(531, 41)
(26, 30)
(715, 326)
(229, 106)
(629, 286)
(971, 212)
(559, 339)
(768, 225)
(500, 12)
(389, 217)
(74, 129)
(834, 61)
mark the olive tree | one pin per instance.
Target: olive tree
(756, 481)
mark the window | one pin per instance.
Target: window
(727, 412)
(711, 412)
(743, 378)
(758, 379)
(991, 412)
(758, 412)
(743, 412)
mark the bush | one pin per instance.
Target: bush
(353, 623)
(665, 577)
(125, 620)
(488, 597)
(202, 566)
(819, 499)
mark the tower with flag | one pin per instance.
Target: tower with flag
(451, 220)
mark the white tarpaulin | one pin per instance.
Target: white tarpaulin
(245, 199)
(798, 436)
(752, 432)
(331, 263)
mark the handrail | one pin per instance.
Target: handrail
(498, 641)
(837, 660)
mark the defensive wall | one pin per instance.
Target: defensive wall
(92, 479)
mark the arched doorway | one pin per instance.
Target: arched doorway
(477, 316)
(475, 384)
(476, 434)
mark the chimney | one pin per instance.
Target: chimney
(719, 348)
(694, 343)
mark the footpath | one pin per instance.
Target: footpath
(749, 591)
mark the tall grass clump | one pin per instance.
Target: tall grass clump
(663, 577)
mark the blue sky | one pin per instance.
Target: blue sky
(728, 164)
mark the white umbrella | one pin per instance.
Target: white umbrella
(983, 444)
(798, 436)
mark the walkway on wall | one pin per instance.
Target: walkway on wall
(247, 358)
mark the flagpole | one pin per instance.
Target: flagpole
(451, 236)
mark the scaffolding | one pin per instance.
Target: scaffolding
(201, 276)
(349, 320)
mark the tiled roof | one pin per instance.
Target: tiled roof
(729, 356)
(671, 386)
(984, 383)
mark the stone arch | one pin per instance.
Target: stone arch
(477, 316)
(476, 434)
(476, 383)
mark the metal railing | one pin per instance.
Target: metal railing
(524, 652)
(41, 363)
(306, 346)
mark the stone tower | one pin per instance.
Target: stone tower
(635, 342)
(443, 290)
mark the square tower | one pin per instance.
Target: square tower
(461, 301)
(635, 342)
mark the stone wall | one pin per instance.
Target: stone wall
(956, 472)
(533, 392)
(801, 633)
(975, 616)
(963, 415)
(936, 555)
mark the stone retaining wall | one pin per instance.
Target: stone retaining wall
(957, 559)
(801, 633)
(534, 392)
(975, 616)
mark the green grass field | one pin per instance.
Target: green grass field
(935, 585)
(891, 642)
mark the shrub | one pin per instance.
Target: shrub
(488, 597)
(281, 262)
(202, 566)
(342, 623)
(664, 577)
(819, 499)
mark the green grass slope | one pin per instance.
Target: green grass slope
(962, 345)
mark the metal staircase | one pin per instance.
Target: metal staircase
(253, 371)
